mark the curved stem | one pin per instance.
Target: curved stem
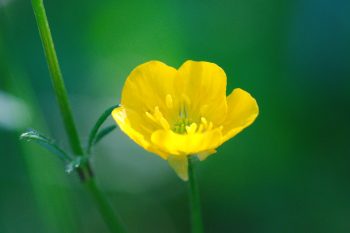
(196, 217)
(84, 170)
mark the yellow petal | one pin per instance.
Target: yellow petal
(204, 85)
(148, 86)
(186, 144)
(137, 132)
(180, 165)
(242, 111)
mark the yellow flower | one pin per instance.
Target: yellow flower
(176, 113)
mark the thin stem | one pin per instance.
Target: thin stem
(84, 170)
(56, 76)
(112, 221)
(196, 217)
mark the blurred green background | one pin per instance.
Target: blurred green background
(288, 172)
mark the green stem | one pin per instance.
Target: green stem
(110, 218)
(196, 217)
(56, 76)
(84, 170)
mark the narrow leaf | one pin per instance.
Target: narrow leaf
(100, 121)
(34, 136)
(104, 132)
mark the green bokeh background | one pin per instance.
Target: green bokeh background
(288, 172)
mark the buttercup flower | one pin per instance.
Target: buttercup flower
(176, 113)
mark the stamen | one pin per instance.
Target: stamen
(157, 113)
(164, 123)
(150, 116)
(169, 101)
(200, 128)
(191, 129)
(204, 122)
(158, 118)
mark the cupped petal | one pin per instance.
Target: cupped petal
(138, 132)
(186, 144)
(242, 111)
(151, 85)
(203, 85)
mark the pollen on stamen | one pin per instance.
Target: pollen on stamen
(169, 101)
(158, 118)
(157, 113)
(164, 123)
(200, 128)
(191, 129)
(150, 116)
(204, 122)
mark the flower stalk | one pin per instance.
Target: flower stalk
(195, 208)
(84, 170)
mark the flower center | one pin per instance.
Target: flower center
(183, 124)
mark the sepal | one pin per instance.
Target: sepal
(179, 163)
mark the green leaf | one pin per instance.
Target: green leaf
(94, 132)
(104, 132)
(34, 136)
